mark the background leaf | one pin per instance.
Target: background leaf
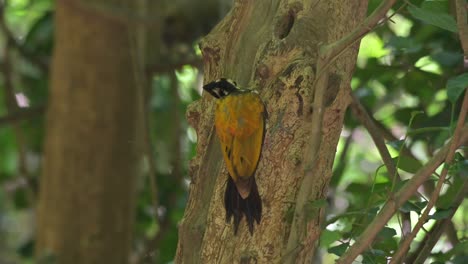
(437, 19)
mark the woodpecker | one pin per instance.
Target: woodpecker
(240, 126)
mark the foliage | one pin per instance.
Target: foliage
(409, 75)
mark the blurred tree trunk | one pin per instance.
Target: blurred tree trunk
(87, 190)
(271, 46)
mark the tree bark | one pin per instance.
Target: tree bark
(271, 46)
(92, 149)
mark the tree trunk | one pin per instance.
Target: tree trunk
(87, 190)
(271, 46)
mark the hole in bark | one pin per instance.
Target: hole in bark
(285, 25)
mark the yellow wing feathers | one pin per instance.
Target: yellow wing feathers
(239, 122)
(240, 126)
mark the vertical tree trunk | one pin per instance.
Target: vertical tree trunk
(87, 189)
(271, 46)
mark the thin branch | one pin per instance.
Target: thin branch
(463, 33)
(431, 238)
(401, 196)
(152, 168)
(12, 107)
(368, 122)
(153, 244)
(428, 186)
(333, 49)
(143, 80)
(328, 54)
(39, 62)
(450, 231)
(388, 135)
(361, 114)
(404, 247)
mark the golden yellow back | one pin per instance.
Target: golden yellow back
(240, 125)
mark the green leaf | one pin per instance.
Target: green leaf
(399, 185)
(408, 164)
(404, 45)
(386, 233)
(423, 130)
(21, 199)
(447, 199)
(460, 248)
(409, 206)
(447, 58)
(396, 144)
(456, 86)
(376, 252)
(441, 20)
(438, 6)
(338, 250)
(459, 167)
(26, 249)
(373, 256)
(462, 169)
(327, 237)
(441, 214)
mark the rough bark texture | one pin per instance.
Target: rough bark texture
(271, 46)
(85, 212)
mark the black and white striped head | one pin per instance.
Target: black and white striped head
(221, 87)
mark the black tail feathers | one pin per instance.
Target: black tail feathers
(235, 206)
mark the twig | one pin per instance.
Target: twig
(401, 196)
(21, 114)
(153, 244)
(388, 135)
(361, 114)
(39, 62)
(12, 107)
(450, 230)
(143, 80)
(428, 186)
(333, 49)
(337, 217)
(404, 246)
(152, 169)
(463, 33)
(368, 122)
(431, 238)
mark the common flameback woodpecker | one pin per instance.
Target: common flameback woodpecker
(240, 126)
